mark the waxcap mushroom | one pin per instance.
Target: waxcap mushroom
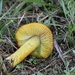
(45, 35)
(33, 39)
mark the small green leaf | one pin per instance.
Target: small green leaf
(74, 51)
(33, 60)
(72, 69)
(39, 73)
(1, 40)
(33, 74)
(66, 72)
(19, 66)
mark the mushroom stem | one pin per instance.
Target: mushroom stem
(23, 52)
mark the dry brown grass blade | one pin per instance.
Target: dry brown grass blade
(59, 51)
(21, 19)
(3, 69)
(9, 41)
(65, 53)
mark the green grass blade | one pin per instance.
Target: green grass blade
(17, 9)
(1, 1)
(3, 29)
(7, 12)
(28, 8)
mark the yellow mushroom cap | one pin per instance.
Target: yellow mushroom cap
(27, 31)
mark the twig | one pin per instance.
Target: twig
(68, 51)
(21, 19)
(59, 51)
(50, 14)
(11, 42)
(45, 67)
(30, 68)
(51, 62)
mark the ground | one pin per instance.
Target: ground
(59, 16)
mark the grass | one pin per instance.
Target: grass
(58, 16)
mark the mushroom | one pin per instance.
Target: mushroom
(33, 39)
